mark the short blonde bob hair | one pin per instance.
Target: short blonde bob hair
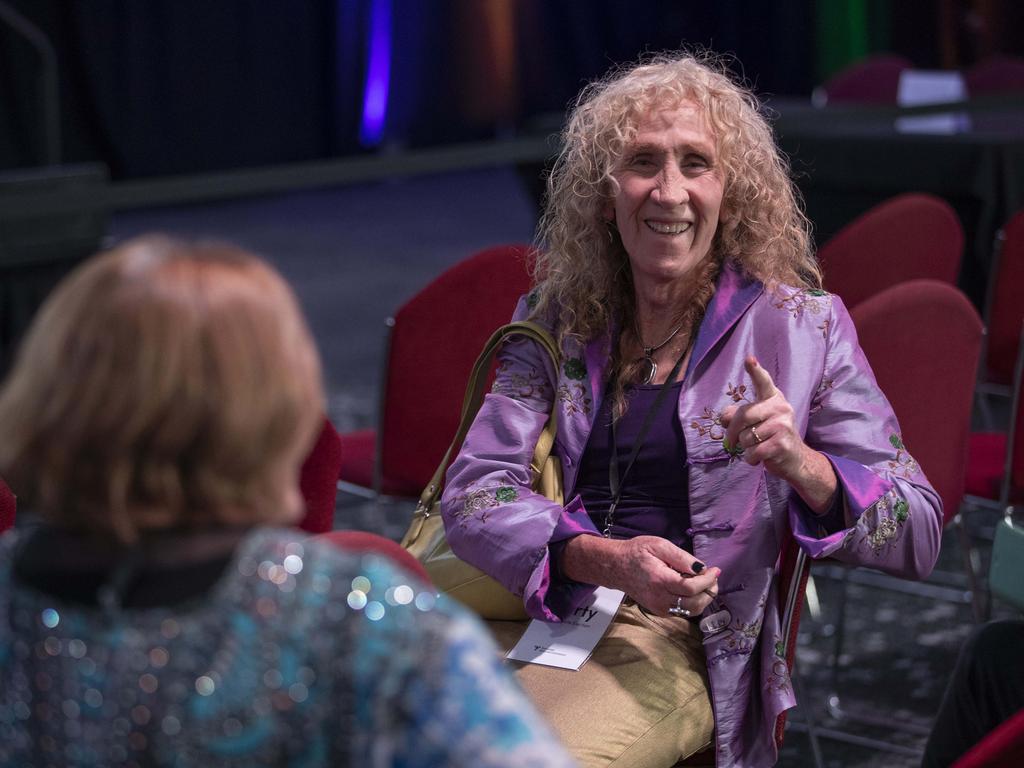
(162, 384)
(583, 268)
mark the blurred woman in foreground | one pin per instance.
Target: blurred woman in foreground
(155, 421)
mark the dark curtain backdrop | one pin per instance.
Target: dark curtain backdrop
(157, 87)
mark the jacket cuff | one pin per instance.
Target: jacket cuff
(858, 489)
(556, 595)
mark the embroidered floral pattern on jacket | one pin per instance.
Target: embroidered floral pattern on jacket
(811, 300)
(778, 677)
(519, 385)
(883, 522)
(709, 425)
(902, 464)
(574, 368)
(824, 386)
(506, 494)
(749, 629)
(574, 398)
(737, 393)
(479, 502)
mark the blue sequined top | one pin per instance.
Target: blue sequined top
(300, 655)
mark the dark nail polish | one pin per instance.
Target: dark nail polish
(697, 566)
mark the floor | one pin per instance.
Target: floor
(354, 254)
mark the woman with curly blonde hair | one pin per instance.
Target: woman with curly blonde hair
(675, 257)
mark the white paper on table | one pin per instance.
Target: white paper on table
(918, 87)
(568, 644)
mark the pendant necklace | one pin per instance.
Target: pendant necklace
(649, 368)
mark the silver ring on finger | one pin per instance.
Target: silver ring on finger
(678, 610)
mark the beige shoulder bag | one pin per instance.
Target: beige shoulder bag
(425, 538)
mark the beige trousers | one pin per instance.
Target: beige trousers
(640, 701)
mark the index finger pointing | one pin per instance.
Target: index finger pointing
(764, 387)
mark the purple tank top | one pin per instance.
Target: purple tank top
(655, 495)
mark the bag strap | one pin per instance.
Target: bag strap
(474, 396)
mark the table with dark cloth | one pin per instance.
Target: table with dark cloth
(847, 160)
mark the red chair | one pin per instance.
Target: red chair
(1000, 73)
(907, 237)
(995, 467)
(872, 80)
(364, 541)
(434, 339)
(1002, 748)
(923, 340)
(1005, 302)
(318, 480)
(986, 468)
(1004, 308)
(8, 506)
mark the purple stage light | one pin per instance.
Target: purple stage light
(378, 74)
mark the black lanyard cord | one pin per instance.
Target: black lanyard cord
(614, 483)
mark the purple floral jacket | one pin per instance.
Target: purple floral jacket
(739, 513)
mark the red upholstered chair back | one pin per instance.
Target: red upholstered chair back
(319, 480)
(872, 80)
(923, 339)
(436, 338)
(1001, 748)
(364, 541)
(907, 237)
(1006, 303)
(8, 506)
(996, 74)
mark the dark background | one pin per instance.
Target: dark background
(159, 87)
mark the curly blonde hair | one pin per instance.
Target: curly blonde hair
(582, 268)
(163, 383)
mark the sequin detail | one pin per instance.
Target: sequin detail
(252, 674)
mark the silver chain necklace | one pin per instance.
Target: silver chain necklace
(649, 368)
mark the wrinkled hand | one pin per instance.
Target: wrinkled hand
(650, 569)
(766, 430)
(655, 573)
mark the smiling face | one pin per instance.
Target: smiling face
(670, 194)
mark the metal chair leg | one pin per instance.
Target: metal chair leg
(971, 566)
(808, 714)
